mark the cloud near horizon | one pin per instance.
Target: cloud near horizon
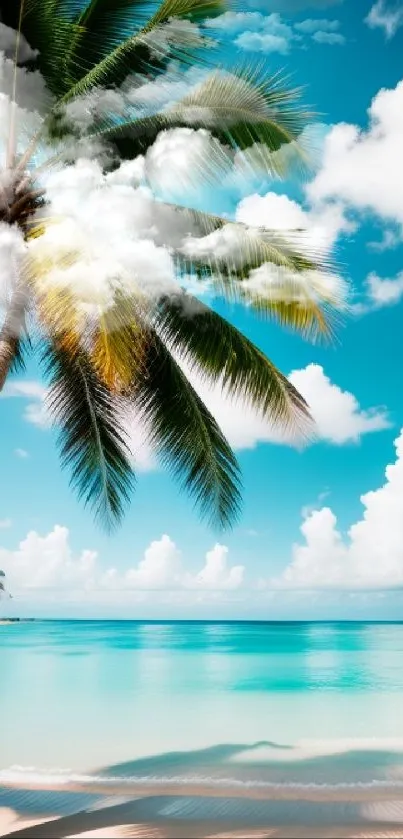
(369, 557)
(47, 563)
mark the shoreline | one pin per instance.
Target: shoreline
(201, 812)
(281, 792)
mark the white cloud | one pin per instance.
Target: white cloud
(5, 523)
(32, 96)
(330, 38)
(382, 291)
(22, 453)
(264, 33)
(216, 575)
(270, 33)
(25, 388)
(8, 42)
(338, 416)
(383, 16)
(49, 563)
(362, 168)
(337, 413)
(236, 21)
(160, 568)
(262, 42)
(312, 25)
(182, 161)
(369, 557)
(241, 424)
(322, 225)
(35, 411)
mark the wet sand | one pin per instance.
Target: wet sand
(200, 813)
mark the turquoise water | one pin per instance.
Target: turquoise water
(254, 703)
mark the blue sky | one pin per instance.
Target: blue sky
(345, 54)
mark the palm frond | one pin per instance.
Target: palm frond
(50, 33)
(118, 62)
(91, 438)
(117, 347)
(22, 349)
(297, 284)
(58, 310)
(245, 108)
(242, 109)
(221, 353)
(187, 437)
(101, 26)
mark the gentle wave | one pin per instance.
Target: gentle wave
(17, 776)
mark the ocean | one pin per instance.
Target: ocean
(258, 705)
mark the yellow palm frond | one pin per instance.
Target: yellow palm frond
(118, 346)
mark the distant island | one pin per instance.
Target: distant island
(6, 621)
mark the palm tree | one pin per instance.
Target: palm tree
(131, 355)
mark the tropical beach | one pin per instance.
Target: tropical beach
(298, 741)
(201, 529)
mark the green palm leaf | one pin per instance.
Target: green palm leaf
(48, 32)
(91, 438)
(303, 293)
(187, 437)
(118, 61)
(101, 26)
(240, 108)
(221, 353)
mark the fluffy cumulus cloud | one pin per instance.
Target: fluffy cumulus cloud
(361, 168)
(338, 416)
(322, 224)
(109, 224)
(370, 556)
(8, 42)
(385, 16)
(321, 30)
(268, 33)
(216, 573)
(49, 563)
(312, 25)
(380, 292)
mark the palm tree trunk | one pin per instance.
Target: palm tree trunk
(11, 332)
